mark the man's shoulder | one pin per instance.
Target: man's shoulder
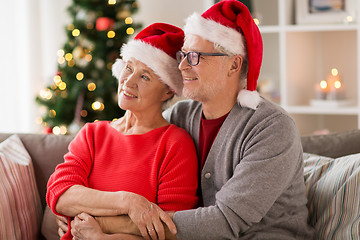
(269, 110)
(181, 109)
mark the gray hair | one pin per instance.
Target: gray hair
(244, 67)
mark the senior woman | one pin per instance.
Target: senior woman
(140, 164)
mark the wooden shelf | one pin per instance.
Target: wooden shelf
(296, 57)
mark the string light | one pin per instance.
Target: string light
(83, 113)
(130, 31)
(60, 53)
(71, 63)
(70, 27)
(63, 130)
(76, 32)
(91, 86)
(46, 94)
(79, 76)
(88, 57)
(112, 2)
(57, 79)
(61, 60)
(111, 34)
(68, 56)
(97, 106)
(52, 113)
(56, 130)
(62, 86)
(64, 94)
(128, 20)
(90, 25)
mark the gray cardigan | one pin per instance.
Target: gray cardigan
(252, 181)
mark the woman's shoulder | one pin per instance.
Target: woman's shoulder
(97, 126)
(176, 133)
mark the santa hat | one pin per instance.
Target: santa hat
(230, 25)
(156, 47)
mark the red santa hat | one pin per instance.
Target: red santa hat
(156, 46)
(230, 25)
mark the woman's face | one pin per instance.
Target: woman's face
(140, 89)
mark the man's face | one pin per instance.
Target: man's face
(205, 81)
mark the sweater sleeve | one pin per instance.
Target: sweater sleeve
(178, 181)
(75, 169)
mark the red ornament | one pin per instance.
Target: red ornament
(104, 23)
(48, 130)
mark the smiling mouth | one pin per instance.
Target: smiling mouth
(189, 79)
(128, 94)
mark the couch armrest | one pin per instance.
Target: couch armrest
(333, 145)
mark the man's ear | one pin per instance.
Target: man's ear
(236, 64)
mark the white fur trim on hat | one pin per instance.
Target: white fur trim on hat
(161, 63)
(249, 99)
(227, 37)
(117, 67)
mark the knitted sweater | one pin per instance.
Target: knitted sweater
(252, 181)
(160, 165)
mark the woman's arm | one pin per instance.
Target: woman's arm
(147, 216)
(123, 224)
(78, 199)
(85, 227)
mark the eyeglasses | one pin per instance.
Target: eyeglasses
(193, 57)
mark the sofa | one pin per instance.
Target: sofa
(322, 153)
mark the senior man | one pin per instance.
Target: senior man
(252, 183)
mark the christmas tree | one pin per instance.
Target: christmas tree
(83, 89)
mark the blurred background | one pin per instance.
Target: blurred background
(33, 32)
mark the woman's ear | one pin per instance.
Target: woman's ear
(236, 64)
(169, 93)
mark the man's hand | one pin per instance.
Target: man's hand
(149, 217)
(62, 224)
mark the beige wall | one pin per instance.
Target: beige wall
(169, 11)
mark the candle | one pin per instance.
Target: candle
(336, 89)
(321, 90)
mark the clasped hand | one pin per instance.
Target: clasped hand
(147, 216)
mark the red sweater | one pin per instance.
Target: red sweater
(160, 165)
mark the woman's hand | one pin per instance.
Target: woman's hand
(85, 227)
(62, 224)
(148, 217)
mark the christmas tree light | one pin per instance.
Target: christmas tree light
(83, 89)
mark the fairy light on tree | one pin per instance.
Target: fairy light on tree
(94, 38)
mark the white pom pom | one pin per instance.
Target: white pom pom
(117, 67)
(249, 99)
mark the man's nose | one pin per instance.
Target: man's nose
(184, 64)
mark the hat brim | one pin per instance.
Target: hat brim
(216, 33)
(161, 63)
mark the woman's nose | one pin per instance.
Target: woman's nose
(130, 81)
